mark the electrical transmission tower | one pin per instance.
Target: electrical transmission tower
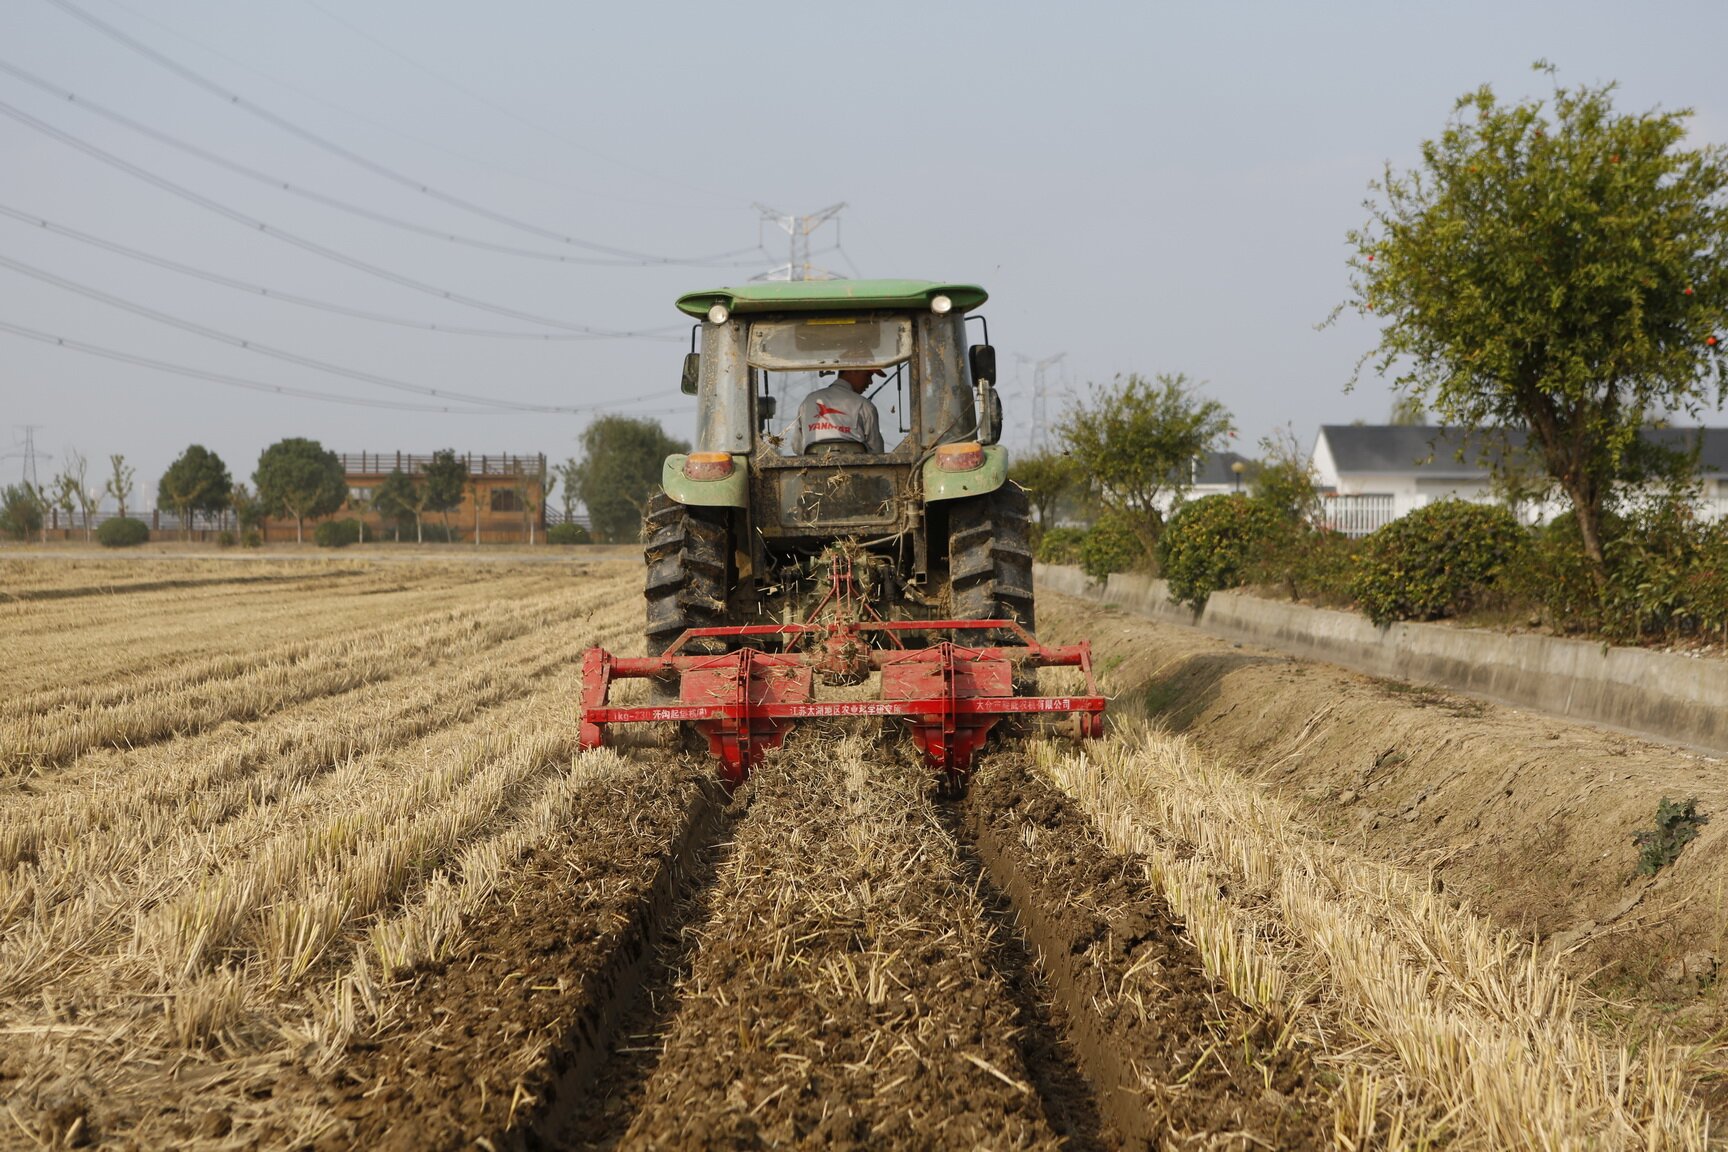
(24, 436)
(1040, 396)
(798, 230)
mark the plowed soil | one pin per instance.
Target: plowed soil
(1174, 1060)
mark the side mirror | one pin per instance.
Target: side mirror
(989, 413)
(692, 373)
(983, 359)
(766, 406)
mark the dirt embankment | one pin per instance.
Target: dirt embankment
(1530, 819)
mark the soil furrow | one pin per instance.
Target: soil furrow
(1172, 1057)
(503, 1045)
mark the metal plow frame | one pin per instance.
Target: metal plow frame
(746, 701)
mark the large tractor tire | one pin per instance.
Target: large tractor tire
(990, 560)
(689, 553)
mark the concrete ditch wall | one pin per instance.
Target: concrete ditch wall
(1668, 697)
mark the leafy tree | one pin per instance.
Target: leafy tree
(397, 500)
(442, 487)
(1136, 441)
(197, 481)
(1047, 477)
(1557, 268)
(297, 477)
(119, 483)
(620, 469)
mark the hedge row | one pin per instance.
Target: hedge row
(1667, 570)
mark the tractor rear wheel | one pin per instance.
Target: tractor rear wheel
(990, 564)
(689, 552)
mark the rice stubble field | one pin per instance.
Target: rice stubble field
(304, 853)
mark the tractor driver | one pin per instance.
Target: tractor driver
(838, 418)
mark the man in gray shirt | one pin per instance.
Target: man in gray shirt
(837, 418)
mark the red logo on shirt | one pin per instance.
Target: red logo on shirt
(823, 410)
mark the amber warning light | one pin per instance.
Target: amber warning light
(708, 465)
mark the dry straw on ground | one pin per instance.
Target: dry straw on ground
(1448, 1030)
(219, 843)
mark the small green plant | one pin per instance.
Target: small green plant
(252, 538)
(568, 534)
(336, 533)
(1061, 546)
(1676, 826)
(122, 532)
(1212, 543)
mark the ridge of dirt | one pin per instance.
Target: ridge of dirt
(1529, 818)
(1169, 1053)
(501, 1045)
(843, 995)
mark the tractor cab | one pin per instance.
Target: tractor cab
(763, 347)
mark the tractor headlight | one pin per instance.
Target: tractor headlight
(961, 457)
(708, 465)
(718, 314)
(940, 305)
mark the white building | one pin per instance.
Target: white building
(1370, 474)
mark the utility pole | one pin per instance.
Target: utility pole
(798, 230)
(24, 436)
(1040, 396)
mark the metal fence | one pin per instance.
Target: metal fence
(384, 463)
(1356, 516)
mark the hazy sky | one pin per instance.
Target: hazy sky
(1143, 187)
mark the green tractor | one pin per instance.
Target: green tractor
(767, 568)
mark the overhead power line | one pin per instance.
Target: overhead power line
(236, 381)
(423, 141)
(615, 259)
(283, 389)
(256, 225)
(278, 353)
(481, 98)
(421, 187)
(45, 225)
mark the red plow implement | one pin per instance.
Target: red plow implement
(746, 701)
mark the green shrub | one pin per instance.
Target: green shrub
(336, 533)
(1555, 577)
(122, 532)
(224, 539)
(1212, 543)
(1676, 826)
(20, 512)
(252, 538)
(1110, 546)
(568, 534)
(1061, 546)
(1308, 563)
(1437, 561)
(1651, 563)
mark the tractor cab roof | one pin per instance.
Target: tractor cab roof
(832, 296)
